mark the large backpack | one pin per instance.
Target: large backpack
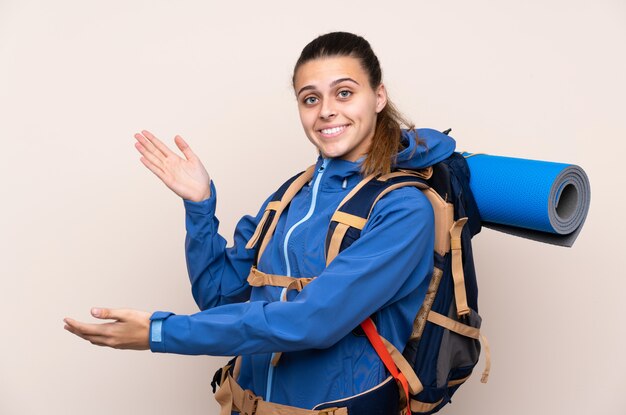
(445, 343)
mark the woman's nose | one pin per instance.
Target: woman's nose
(327, 111)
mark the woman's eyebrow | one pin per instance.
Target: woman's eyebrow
(332, 84)
(340, 80)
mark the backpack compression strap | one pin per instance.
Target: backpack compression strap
(467, 331)
(375, 339)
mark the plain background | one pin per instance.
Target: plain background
(83, 223)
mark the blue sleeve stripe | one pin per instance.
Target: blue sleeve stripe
(156, 330)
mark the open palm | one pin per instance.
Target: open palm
(186, 177)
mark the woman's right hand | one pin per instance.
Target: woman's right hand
(186, 177)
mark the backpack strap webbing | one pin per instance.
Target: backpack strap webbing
(457, 267)
(369, 193)
(381, 350)
(261, 279)
(273, 210)
(467, 331)
(355, 209)
(425, 173)
(233, 398)
(258, 278)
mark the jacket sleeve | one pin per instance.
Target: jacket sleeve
(217, 273)
(389, 262)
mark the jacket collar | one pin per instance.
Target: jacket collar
(433, 147)
(338, 174)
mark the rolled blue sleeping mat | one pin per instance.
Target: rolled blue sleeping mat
(539, 200)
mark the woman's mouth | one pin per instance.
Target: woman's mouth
(333, 131)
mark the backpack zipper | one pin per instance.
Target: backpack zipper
(316, 184)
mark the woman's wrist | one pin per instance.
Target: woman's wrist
(202, 196)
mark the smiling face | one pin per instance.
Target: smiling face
(337, 105)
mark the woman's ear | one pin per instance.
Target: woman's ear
(381, 97)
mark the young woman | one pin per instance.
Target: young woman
(346, 114)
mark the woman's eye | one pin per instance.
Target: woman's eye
(344, 94)
(310, 100)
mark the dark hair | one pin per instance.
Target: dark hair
(386, 141)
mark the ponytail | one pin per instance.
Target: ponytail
(386, 142)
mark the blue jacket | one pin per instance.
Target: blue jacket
(384, 272)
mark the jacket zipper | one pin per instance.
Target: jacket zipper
(316, 184)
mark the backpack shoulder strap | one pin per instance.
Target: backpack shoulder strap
(355, 209)
(273, 210)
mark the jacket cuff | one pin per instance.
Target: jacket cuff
(156, 338)
(206, 206)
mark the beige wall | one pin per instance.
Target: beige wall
(83, 223)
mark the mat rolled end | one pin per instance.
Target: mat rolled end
(538, 200)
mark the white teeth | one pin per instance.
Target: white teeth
(333, 130)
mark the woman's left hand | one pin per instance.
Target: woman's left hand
(130, 330)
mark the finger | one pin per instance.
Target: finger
(184, 147)
(109, 313)
(79, 328)
(149, 155)
(93, 339)
(157, 143)
(154, 169)
(74, 330)
(149, 146)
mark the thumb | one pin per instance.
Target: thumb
(184, 147)
(106, 313)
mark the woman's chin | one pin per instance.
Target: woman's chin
(332, 155)
(332, 152)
